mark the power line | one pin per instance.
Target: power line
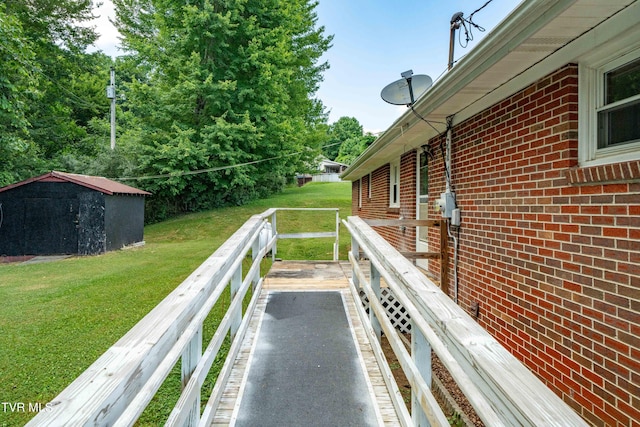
(468, 30)
(214, 169)
(199, 171)
(479, 9)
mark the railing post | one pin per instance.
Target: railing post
(444, 257)
(355, 250)
(375, 285)
(336, 245)
(421, 354)
(256, 248)
(274, 230)
(190, 359)
(236, 318)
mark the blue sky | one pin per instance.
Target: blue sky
(374, 41)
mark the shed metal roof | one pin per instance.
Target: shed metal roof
(97, 183)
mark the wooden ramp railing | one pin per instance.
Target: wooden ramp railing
(501, 389)
(442, 254)
(116, 389)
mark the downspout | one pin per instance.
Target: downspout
(448, 154)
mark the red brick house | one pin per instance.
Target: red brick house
(543, 120)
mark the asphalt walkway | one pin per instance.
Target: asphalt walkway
(305, 369)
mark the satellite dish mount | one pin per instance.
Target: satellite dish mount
(407, 76)
(406, 90)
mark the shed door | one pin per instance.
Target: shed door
(92, 238)
(50, 226)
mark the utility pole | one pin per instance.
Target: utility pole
(111, 94)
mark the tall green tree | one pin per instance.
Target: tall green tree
(53, 25)
(352, 147)
(340, 131)
(48, 42)
(231, 83)
(18, 88)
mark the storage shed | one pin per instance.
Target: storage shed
(64, 213)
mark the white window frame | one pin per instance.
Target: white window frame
(591, 100)
(360, 192)
(394, 181)
(369, 186)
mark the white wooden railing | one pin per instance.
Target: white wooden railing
(307, 235)
(502, 391)
(117, 388)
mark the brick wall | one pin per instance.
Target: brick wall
(551, 251)
(378, 205)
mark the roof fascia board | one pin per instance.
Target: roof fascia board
(380, 144)
(527, 19)
(618, 34)
(624, 23)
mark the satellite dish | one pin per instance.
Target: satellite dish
(406, 90)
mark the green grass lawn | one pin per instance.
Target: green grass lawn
(59, 317)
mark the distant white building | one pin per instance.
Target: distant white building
(328, 171)
(331, 167)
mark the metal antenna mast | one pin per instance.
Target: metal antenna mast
(455, 24)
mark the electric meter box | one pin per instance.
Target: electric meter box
(447, 203)
(111, 92)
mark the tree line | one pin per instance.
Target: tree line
(215, 98)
